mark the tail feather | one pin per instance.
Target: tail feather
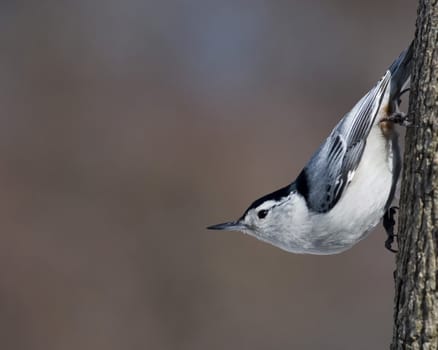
(400, 71)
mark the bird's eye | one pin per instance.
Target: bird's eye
(262, 214)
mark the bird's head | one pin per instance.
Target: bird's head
(270, 218)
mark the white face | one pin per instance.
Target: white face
(261, 218)
(277, 220)
(258, 219)
(283, 223)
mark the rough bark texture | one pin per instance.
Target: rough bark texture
(416, 293)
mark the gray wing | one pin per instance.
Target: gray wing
(332, 167)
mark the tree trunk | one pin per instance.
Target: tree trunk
(416, 275)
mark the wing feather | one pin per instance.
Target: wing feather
(332, 167)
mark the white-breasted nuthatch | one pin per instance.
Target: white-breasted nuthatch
(348, 185)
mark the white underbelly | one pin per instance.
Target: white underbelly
(362, 205)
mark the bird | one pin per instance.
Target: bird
(348, 185)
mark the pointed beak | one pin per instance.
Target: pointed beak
(228, 226)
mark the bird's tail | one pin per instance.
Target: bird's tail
(400, 71)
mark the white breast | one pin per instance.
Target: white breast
(363, 203)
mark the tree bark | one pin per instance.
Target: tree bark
(416, 275)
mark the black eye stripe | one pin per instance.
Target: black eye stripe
(262, 213)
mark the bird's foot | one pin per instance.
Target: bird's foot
(399, 118)
(389, 224)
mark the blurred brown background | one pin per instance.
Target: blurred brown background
(129, 126)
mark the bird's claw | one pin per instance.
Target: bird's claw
(388, 243)
(389, 224)
(399, 118)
